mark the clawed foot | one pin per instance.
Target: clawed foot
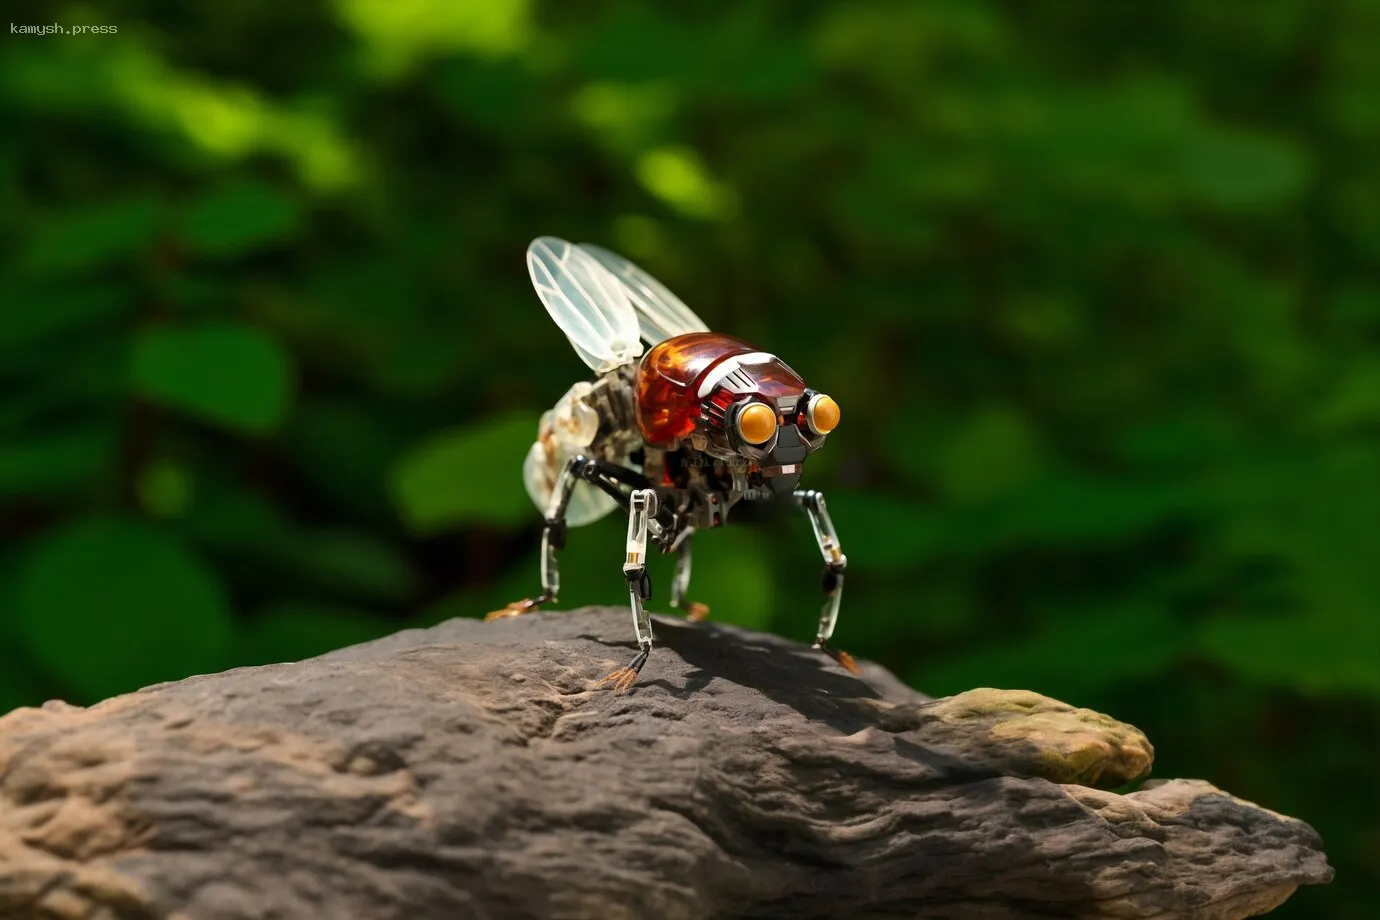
(516, 608)
(623, 679)
(697, 612)
(842, 657)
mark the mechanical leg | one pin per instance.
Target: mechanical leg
(834, 564)
(600, 473)
(680, 582)
(642, 507)
(552, 541)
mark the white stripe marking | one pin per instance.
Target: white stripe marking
(728, 366)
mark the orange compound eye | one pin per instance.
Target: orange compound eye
(822, 414)
(756, 423)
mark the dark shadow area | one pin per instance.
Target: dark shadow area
(784, 672)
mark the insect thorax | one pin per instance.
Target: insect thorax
(614, 399)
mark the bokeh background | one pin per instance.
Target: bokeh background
(1097, 286)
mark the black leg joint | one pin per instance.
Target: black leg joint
(833, 575)
(610, 489)
(622, 474)
(607, 477)
(641, 582)
(586, 468)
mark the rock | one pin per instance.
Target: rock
(473, 771)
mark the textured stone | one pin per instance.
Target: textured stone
(473, 770)
(1019, 733)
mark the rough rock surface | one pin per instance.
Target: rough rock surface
(472, 770)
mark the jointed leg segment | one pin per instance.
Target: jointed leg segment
(642, 507)
(600, 473)
(680, 582)
(834, 564)
(552, 541)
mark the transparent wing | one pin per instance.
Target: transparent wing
(587, 503)
(590, 305)
(660, 314)
(564, 431)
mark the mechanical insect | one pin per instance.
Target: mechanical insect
(675, 436)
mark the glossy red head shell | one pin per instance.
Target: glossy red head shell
(686, 378)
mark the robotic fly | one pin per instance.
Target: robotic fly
(675, 436)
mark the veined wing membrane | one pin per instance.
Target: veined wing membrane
(660, 314)
(590, 305)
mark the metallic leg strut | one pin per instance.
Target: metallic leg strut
(604, 476)
(680, 583)
(642, 506)
(834, 564)
(552, 541)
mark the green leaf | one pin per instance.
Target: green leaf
(237, 218)
(204, 295)
(493, 95)
(347, 448)
(1243, 170)
(731, 572)
(1312, 522)
(232, 518)
(392, 43)
(243, 526)
(93, 236)
(1302, 652)
(110, 605)
(678, 176)
(1073, 655)
(878, 531)
(1355, 305)
(991, 451)
(468, 476)
(641, 45)
(94, 378)
(1067, 509)
(1354, 400)
(36, 317)
(165, 488)
(295, 630)
(60, 463)
(226, 373)
(1184, 439)
(352, 563)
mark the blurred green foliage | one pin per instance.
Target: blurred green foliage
(1097, 287)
